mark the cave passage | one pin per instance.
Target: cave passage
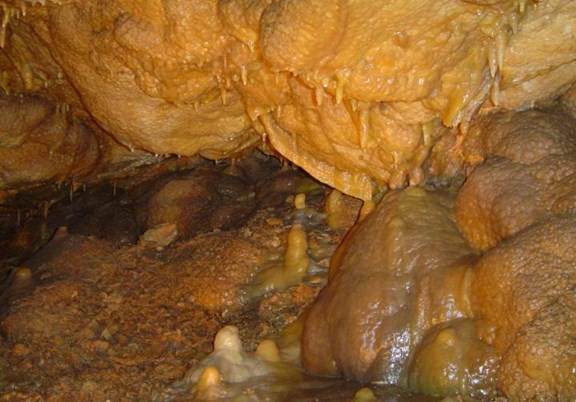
(287, 200)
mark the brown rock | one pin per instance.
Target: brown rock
(530, 176)
(61, 146)
(521, 276)
(451, 360)
(500, 198)
(187, 203)
(201, 202)
(522, 137)
(523, 300)
(540, 363)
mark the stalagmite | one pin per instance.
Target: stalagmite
(296, 258)
(210, 377)
(300, 201)
(333, 209)
(294, 266)
(268, 351)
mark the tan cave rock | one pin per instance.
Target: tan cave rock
(356, 93)
(456, 117)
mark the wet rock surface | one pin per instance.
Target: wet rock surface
(104, 312)
(387, 289)
(451, 360)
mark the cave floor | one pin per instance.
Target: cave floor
(98, 322)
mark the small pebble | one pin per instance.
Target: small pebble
(162, 235)
(89, 386)
(58, 341)
(106, 334)
(274, 242)
(20, 349)
(85, 334)
(274, 221)
(100, 345)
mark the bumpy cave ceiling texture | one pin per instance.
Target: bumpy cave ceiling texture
(461, 112)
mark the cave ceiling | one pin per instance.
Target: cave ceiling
(363, 95)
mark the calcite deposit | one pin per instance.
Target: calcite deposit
(378, 321)
(355, 93)
(62, 147)
(405, 270)
(529, 174)
(458, 116)
(532, 277)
